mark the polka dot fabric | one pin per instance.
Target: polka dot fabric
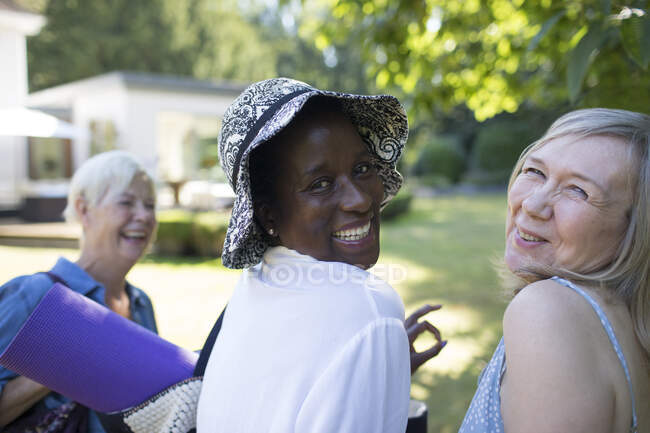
(484, 413)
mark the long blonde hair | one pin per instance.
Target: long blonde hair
(628, 275)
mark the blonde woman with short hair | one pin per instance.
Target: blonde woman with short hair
(112, 197)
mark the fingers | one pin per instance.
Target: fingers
(414, 331)
(432, 351)
(425, 309)
(415, 328)
(419, 358)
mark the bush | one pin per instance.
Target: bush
(497, 147)
(399, 205)
(181, 232)
(174, 235)
(441, 157)
(209, 232)
(431, 181)
(482, 178)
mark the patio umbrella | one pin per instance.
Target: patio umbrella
(25, 122)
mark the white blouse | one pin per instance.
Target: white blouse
(308, 346)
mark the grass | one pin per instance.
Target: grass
(447, 246)
(439, 253)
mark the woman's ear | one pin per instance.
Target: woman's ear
(82, 208)
(264, 215)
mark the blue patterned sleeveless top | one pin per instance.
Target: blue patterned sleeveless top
(484, 413)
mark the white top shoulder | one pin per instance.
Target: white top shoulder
(308, 346)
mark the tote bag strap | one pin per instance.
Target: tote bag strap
(202, 363)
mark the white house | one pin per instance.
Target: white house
(16, 24)
(169, 123)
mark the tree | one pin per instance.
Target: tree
(339, 67)
(184, 37)
(492, 55)
(225, 43)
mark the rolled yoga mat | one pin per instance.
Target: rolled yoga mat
(92, 355)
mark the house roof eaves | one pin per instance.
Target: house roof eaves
(17, 18)
(144, 80)
(11, 5)
(65, 93)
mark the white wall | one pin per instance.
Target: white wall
(13, 90)
(13, 170)
(135, 113)
(13, 73)
(100, 104)
(144, 108)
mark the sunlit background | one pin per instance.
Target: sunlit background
(480, 80)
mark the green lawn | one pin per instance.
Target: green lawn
(441, 252)
(448, 246)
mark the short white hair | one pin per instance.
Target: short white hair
(106, 173)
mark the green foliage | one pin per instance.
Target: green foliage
(635, 34)
(489, 56)
(182, 232)
(399, 205)
(174, 235)
(581, 57)
(432, 181)
(209, 233)
(441, 156)
(546, 27)
(86, 38)
(338, 67)
(227, 45)
(497, 147)
(447, 245)
(493, 55)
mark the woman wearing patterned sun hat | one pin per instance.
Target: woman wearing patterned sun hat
(310, 341)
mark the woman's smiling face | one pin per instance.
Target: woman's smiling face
(121, 225)
(568, 206)
(328, 193)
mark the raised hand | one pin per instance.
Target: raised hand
(415, 328)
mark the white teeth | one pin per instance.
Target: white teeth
(134, 234)
(528, 237)
(353, 234)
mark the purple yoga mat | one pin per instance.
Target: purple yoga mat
(92, 355)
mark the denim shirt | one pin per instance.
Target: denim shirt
(19, 297)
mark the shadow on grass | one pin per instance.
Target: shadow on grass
(447, 401)
(448, 245)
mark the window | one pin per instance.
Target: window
(102, 136)
(50, 158)
(187, 147)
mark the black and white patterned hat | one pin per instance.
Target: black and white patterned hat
(263, 110)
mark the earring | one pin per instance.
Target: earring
(271, 231)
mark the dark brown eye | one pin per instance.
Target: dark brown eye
(363, 168)
(320, 185)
